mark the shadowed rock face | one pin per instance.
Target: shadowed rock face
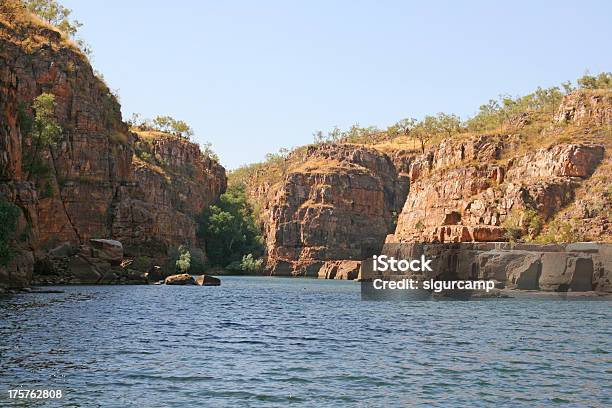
(94, 188)
(158, 209)
(578, 267)
(338, 204)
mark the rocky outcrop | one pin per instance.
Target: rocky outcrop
(180, 279)
(593, 107)
(577, 267)
(174, 182)
(94, 186)
(18, 272)
(345, 270)
(338, 204)
(207, 280)
(463, 191)
(97, 262)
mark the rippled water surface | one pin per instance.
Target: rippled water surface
(280, 342)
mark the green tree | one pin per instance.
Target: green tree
(9, 214)
(168, 124)
(45, 132)
(55, 14)
(229, 228)
(423, 135)
(250, 264)
(448, 123)
(601, 81)
(183, 263)
(406, 126)
(568, 88)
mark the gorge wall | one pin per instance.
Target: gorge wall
(336, 206)
(95, 186)
(338, 203)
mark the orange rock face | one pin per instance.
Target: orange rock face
(337, 205)
(94, 188)
(455, 200)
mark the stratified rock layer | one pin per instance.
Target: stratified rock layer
(578, 267)
(461, 191)
(94, 188)
(337, 204)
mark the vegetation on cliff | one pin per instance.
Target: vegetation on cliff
(161, 123)
(42, 13)
(41, 132)
(527, 122)
(9, 215)
(504, 114)
(55, 14)
(230, 231)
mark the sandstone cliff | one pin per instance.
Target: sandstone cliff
(173, 182)
(95, 186)
(337, 201)
(465, 189)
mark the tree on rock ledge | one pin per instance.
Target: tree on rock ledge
(55, 14)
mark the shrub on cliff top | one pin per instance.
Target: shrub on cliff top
(170, 125)
(55, 14)
(601, 81)
(9, 215)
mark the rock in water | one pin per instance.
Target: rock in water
(180, 279)
(207, 280)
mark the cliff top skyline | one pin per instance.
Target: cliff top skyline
(254, 77)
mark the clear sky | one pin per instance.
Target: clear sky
(254, 76)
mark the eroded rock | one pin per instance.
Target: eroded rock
(207, 280)
(180, 279)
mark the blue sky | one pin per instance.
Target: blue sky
(254, 76)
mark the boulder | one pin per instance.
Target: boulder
(180, 279)
(346, 270)
(602, 269)
(108, 250)
(207, 280)
(328, 270)
(63, 250)
(155, 274)
(566, 271)
(525, 272)
(83, 271)
(135, 277)
(18, 272)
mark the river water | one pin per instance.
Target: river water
(279, 342)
